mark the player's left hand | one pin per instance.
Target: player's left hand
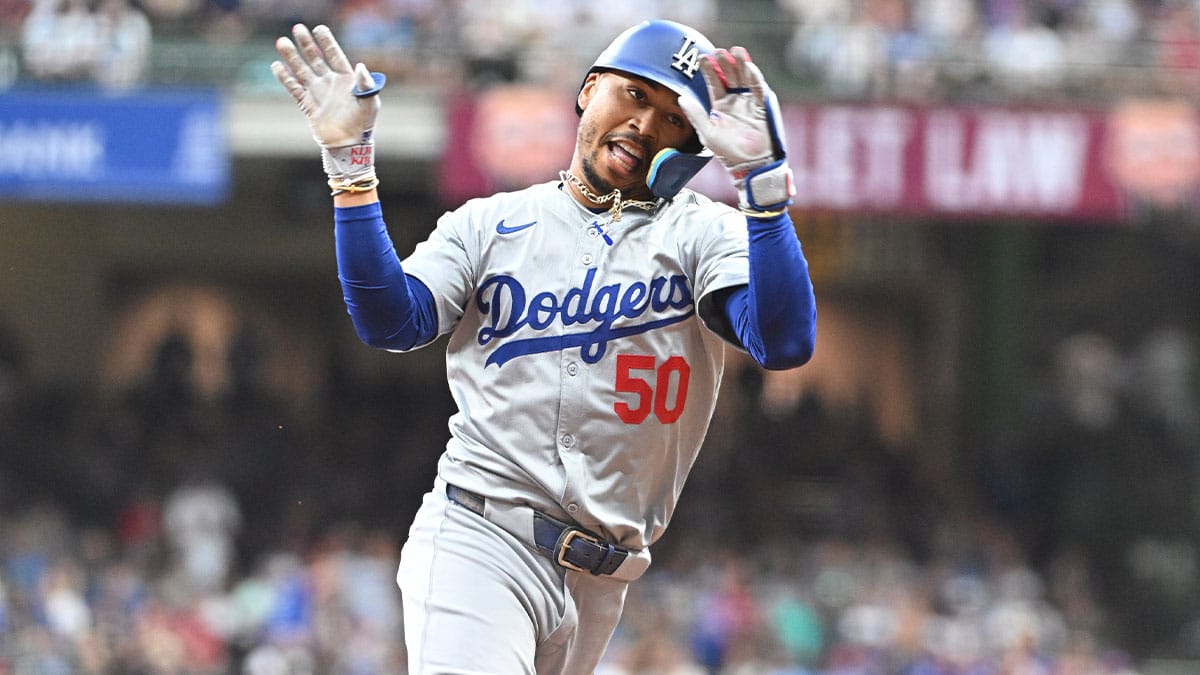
(743, 129)
(338, 99)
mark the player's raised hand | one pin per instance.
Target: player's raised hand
(743, 129)
(338, 99)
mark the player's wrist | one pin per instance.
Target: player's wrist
(351, 168)
(350, 199)
(355, 185)
(349, 164)
(767, 189)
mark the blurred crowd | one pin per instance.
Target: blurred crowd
(925, 50)
(160, 532)
(996, 50)
(166, 531)
(91, 601)
(76, 41)
(831, 606)
(159, 596)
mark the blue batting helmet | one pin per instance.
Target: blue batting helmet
(669, 54)
(661, 51)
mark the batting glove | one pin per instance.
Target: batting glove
(743, 130)
(339, 101)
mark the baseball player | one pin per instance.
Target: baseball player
(587, 319)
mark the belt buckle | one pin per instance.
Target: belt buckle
(565, 545)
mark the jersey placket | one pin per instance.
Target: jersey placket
(575, 373)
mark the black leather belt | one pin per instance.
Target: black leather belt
(569, 546)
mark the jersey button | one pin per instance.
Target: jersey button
(592, 232)
(587, 259)
(572, 369)
(567, 440)
(572, 508)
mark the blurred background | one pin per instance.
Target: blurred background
(990, 466)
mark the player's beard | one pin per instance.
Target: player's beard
(599, 185)
(587, 139)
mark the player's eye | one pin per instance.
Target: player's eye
(676, 120)
(637, 94)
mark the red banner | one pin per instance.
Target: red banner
(965, 162)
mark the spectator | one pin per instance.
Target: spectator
(387, 33)
(61, 41)
(492, 38)
(817, 41)
(124, 35)
(1163, 383)
(1025, 53)
(67, 613)
(201, 518)
(1099, 38)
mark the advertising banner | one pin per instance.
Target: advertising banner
(88, 146)
(1091, 165)
(950, 161)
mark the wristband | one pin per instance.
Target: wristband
(350, 162)
(767, 188)
(342, 185)
(750, 213)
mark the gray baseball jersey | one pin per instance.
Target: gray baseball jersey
(584, 377)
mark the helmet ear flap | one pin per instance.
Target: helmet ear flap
(671, 169)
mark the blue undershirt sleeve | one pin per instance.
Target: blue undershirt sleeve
(775, 315)
(389, 309)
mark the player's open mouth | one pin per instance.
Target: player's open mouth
(626, 156)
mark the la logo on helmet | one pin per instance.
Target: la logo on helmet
(687, 59)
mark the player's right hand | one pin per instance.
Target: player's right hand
(316, 72)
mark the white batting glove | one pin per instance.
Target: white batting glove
(339, 101)
(743, 130)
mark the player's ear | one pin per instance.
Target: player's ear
(588, 90)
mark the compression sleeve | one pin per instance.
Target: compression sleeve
(389, 309)
(775, 315)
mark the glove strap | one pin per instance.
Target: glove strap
(350, 163)
(767, 188)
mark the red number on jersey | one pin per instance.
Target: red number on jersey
(670, 378)
(634, 385)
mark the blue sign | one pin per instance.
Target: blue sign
(92, 146)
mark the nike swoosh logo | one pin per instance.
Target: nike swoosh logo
(501, 228)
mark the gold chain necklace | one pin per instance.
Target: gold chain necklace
(614, 196)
